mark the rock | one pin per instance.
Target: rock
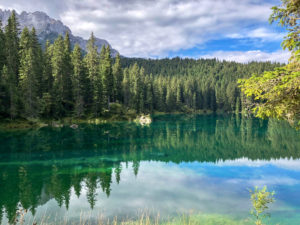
(145, 120)
(74, 126)
(56, 125)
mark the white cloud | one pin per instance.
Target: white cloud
(153, 28)
(261, 32)
(284, 163)
(248, 56)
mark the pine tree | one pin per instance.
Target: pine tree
(37, 59)
(46, 85)
(92, 63)
(47, 81)
(79, 80)
(178, 95)
(136, 87)
(57, 71)
(4, 97)
(12, 63)
(126, 87)
(28, 76)
(2, 62)
(2, 48)
(67, 75)
(118, 77)
(107, 76)
(149, 93)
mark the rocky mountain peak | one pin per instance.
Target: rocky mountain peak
(48, 28)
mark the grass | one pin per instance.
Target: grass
(143, 219)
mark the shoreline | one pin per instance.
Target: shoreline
(23, 124)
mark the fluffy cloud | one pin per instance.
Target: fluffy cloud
(261, 32)
(248, 56)
(284, 163)
(153, 28)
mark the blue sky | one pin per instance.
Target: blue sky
(236, 30)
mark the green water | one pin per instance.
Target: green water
(199, 165)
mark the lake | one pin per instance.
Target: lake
(195, 165)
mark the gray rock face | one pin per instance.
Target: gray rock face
(48, 28)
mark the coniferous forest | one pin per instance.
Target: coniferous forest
(61, 80)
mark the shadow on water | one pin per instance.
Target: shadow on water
(44, 164)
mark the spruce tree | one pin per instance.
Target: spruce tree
(2, 62)
(4, 97)
(67, 75)
(126, 87)
(78, 81)
(2, 48)
(107, 76)
(92, 64)
(46, 85)
(57, 71)
(12, 63)
(28, 76)
(47, 81)
(37, 60)
(136, 87)
(149, 93)
(118, 77)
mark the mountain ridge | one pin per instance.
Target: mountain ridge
(48, 28)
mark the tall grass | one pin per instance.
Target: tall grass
(143, 219)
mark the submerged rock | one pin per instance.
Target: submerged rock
(74, 126)
(56, 125)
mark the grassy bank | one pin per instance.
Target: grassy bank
(143, 219)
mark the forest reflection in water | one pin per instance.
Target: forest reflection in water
(39, 166)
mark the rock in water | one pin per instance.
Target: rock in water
(145, 120)
(74, 126)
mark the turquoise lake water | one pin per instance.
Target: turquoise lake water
(180, 164)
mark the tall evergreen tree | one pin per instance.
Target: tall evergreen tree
(126, 87)
(2, 48)
(4, 97)
(107, 76)
(37, 59)
(47, 81)
(57, 71)
(92, 63)
(118, 77)
(28, 75)
(46, 103)
(67, 75)
(79, 82)
(2, 62)
(12, 63)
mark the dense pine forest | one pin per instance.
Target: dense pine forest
(61, 80)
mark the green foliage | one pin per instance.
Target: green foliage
(92, 64)
(288, 15)
(106, 74)
(12, 65)
(118, 77)
(28, 73)
(260, 199)
(2, 48)
(59, 82)
(276, 93)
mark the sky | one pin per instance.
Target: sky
(235, 30)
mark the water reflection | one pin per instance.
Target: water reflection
(37, 166)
